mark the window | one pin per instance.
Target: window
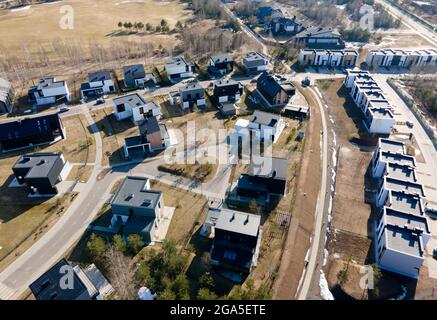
(141, 110)
(230, 255)
(121, 108)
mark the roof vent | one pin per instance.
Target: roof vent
(41, 162)
(247, 220)
(232, 218)
(274, 174)
(129, 196)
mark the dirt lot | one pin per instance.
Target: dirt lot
(302, 209)
(113, 133)
(42, 22)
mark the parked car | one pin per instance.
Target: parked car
(306, 82)
(434, 253)
(410, 124)
(63, 109)
(28, 111)
(100, 101)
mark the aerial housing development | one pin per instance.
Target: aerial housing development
(218, 150)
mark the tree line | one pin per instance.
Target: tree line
(163, 26)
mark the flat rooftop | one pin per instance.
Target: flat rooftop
(391, 145)
(40, 164)
(405, 202)
(402, 172)
(404, 240)
(254, 55)
(238, 222)
(133, 99)
(398, 158)
(134, 193)
(407, 186)
(269, 167)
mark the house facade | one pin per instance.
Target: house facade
(49, 91)
(403, 58)
(227, 91)
(255, 62)
(30, 131)
(286, 26)
(133, 106)
(41, 172)
(99, 83)
(369, 98)
(179, 68)
(328, 58)
(220, 64)
(190, 94)
(7, 94)
(274, 92)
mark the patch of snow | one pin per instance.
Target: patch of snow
(20, 9)
(325, 257)
(324, 289)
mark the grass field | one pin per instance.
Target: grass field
(92, 20)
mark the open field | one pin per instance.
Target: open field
(96, 20)
(80, 173)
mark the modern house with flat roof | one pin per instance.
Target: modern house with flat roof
(53, 284)
(135, 107)
(265, 125)
(99, 83)
(30, 131)
(274, 92)
(41, 172)
(178, 68)
(192, 94)
(369, 98)
(404, 58)
(255, 62)
(137, 209)
(49, 91)
(220, 64)
(393, 184)
(237, 240)
(227, 91)
(401, 239)
(7, 94)
(328, 58)
(136, 77)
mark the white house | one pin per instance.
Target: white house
(255, 62)
(400, 243)
(179, 68)
(49, 91)
(262, 125)
(99, 83)
(328, 58)
(367, 95)
(404, 58)
(135, 107)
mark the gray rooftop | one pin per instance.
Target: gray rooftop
(391, 145)
(221, 57)
(401, 172)
(191, 87)
(224, 83)
(238, 222)
(398, 158)
(133, 99)
(254, 55)
(407, 186)
(133, 193)
(178, 61)
(48, 83)
(135, 71)
(99, 76)
(265, 118)
(405, 202)
(269, 167)
(40, 164)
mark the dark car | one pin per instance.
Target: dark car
(100, 101)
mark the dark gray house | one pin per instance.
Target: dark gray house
(7, 94)
(255, 62)
(286, 26)
(319, 38)
(53, 284)
(137, 209)
(30, 131)
(220, 64)
(236, 244)
(40, 172)
(192, 93)
(266, 182)
(99, 83)
(274, 92)
(136, 77)
(227, 91)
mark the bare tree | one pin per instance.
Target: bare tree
(121, 274)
